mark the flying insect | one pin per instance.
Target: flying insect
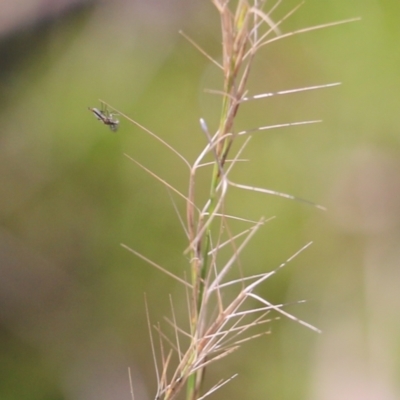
(105, 116)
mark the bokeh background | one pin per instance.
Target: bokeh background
(72, 314)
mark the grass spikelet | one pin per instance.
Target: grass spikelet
(217, 325)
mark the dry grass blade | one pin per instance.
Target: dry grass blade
(310, 29)
(290, 91)
(217, 386)
(149, 132)
(153, 350)
(286, 314)
(237, 236)
(277, 126)
(194, 44)
(152, 263)
(228, 265)
(131, 383)
(164, 182)
(176, 329)
(275, 193)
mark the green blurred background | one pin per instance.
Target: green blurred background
(72, 314)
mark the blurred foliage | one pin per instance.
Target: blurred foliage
(71, 299)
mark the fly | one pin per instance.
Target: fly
(105, 116)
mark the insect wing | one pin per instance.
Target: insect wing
(113, 125)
